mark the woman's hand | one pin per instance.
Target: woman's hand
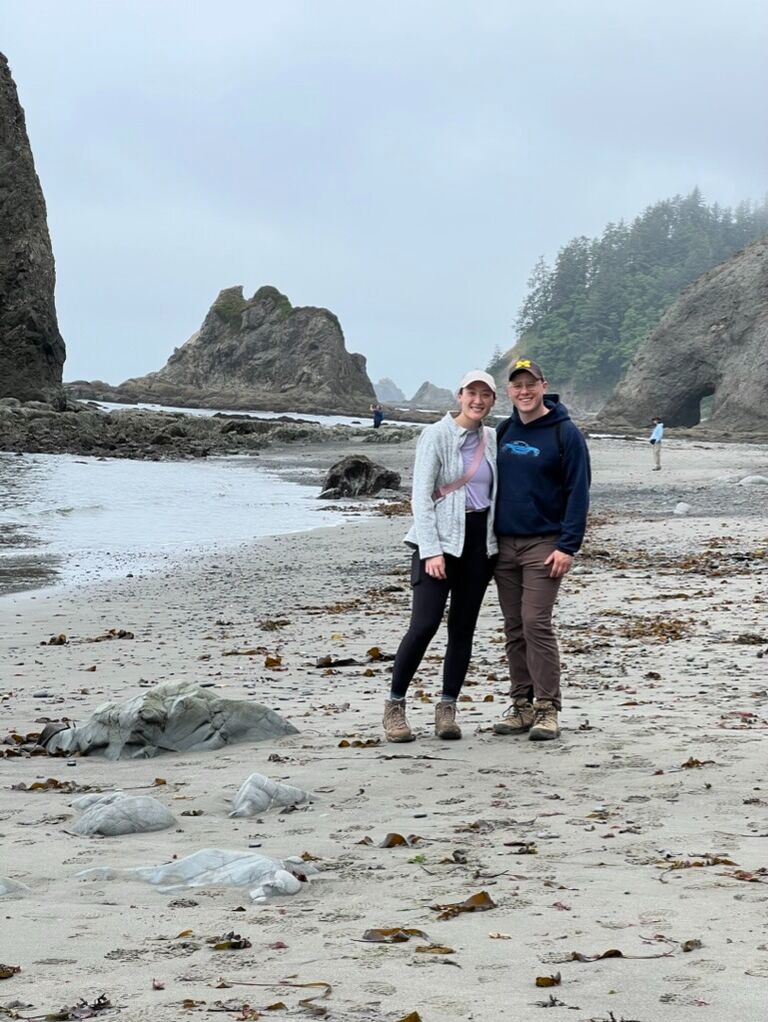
(435, 566)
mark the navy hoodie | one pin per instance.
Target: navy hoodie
(543, 484)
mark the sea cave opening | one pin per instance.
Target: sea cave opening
(705, 407)
(694, 408)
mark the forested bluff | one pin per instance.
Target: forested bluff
(585, 317)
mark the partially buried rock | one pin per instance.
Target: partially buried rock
(117, 813)
(218, 867)
(258, 793)
(13, 888)
(358, 476)
(176, 716)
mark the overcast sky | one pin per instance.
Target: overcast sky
(402, 163)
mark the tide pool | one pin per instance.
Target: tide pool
(66, 519)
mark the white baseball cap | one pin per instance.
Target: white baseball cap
(477, 376)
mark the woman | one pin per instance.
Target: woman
(454, 489)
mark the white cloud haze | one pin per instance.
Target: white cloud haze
(403, 164)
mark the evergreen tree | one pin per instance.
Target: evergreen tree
(585, 317)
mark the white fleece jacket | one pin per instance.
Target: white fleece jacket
(438, 527)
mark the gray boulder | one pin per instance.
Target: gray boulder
(358, 476)
(258, 793)
(177, 716)
(117, 813)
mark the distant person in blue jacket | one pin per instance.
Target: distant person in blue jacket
(541, 515)
(655, 440)
(378, 415)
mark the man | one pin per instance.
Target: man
(655, 440)
(541, 515)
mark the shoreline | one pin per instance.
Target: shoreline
(65, 519)
(696, 473)
(664, 728)
(172, 434)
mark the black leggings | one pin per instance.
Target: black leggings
(468, 578)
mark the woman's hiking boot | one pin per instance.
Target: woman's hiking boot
(545, 726)
(445, 721)
(516, 719)
(396, 727)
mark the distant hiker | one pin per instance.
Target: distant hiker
(655, 440)
(541, 515)
(454, 489)
(378, 415)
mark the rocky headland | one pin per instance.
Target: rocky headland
(712, 343)
(32, 351)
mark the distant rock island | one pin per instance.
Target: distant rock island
(388, 391)
(428, 396)
(259, 352)
(32, 351)
(711, 344)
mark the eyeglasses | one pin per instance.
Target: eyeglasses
(517, 387)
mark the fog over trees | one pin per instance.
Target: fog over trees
(585, 317)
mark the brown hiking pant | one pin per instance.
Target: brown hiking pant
(527, 596)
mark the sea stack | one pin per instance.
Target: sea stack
(32, 351)
(261, 352)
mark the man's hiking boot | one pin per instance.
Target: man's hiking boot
(396, 727)
(516, 719)
(544, 726)
(445, 721)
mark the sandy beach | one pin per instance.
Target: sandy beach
(643, 830)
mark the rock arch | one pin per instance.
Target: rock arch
(713, 342)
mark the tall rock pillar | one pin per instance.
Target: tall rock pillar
(32, 351)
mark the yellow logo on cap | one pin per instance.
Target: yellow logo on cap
(523, 363)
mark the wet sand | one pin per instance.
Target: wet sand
(643, 828)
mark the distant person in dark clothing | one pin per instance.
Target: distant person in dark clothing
(378, 415)
(655, 441)
(541, 516)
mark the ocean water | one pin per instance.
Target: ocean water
(67, 519)
(326, 420)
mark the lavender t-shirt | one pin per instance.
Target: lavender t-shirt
(478, 489)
